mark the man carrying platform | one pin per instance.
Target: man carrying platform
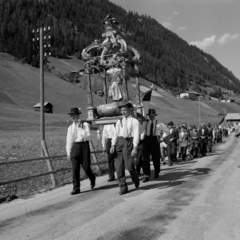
(151, 146)
(78, 150)
(125, 141)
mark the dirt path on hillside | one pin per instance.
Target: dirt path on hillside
(199, 199)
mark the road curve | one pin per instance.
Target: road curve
(198, 199)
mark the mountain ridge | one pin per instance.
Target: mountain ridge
(166, 59)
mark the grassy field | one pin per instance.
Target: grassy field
(25, 144)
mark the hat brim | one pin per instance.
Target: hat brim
(129, 105)
(74, 113)
(152, 114)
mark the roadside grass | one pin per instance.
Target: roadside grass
(25, 144)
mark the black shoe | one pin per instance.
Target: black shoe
(170, 164)
(164, 163)
(93, 182)
(156, 176)
(111, 179)
(122, 192)
(145, 180)
(137, 183)
(75, 192)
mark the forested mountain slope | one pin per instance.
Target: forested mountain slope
(166, 59)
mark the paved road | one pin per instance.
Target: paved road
(199, 199)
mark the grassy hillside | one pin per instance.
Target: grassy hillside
(20, 92)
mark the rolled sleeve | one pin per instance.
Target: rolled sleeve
(135, 128)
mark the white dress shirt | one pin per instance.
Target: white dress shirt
(107, 132)
(77, 133)
(132, 129)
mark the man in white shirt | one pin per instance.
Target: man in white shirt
(107, 134)
(78, 150)
(125, 141)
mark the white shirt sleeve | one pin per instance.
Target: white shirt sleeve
(158, 131)
(135, 134)
(115, 135)
(104, 136)
(69, 141)
(87, 130)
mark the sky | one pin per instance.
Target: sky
(211, 25)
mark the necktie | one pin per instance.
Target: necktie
(125, 130)
(75, 131)
(151, 129)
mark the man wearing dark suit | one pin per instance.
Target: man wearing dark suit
(210, 138)
(171, 141)
(203, 135)
(151, 146)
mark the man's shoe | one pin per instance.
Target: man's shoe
(145, 180)
(93, 182)
(156, 176)
(122, 192)
(137, 183)
(75, 192)
(111, 179)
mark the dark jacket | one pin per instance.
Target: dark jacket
(173, 136)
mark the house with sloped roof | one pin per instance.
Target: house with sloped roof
(232, 117)
(48, 107)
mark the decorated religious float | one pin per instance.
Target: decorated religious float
(111, 56)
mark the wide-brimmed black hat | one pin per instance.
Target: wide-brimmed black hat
(75, 111)
(125, 104)
(170, 123)
(151, 112)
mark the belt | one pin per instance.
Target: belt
(81, 142)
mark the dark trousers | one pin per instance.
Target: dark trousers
(194, 150)
(139, 164)
(111, 158)
(209, 145)
(171, 151)
(203, 147)
(183, 152)
(151, 147)
(124, 161)
(80, 155)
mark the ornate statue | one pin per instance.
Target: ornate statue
(111, 60)
(117, 90)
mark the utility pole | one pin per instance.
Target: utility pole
(199, 100)
(43, 46)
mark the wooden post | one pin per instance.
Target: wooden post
(105, 86)
(124, 79)
(42, 117)
(49, 163)
(89, 93)
(138, 99)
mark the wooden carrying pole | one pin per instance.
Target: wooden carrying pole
(125, 80)
(105, 86)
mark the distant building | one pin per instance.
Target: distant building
(232, 117)
(229, 92)
(189, 95)
(48, 107)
